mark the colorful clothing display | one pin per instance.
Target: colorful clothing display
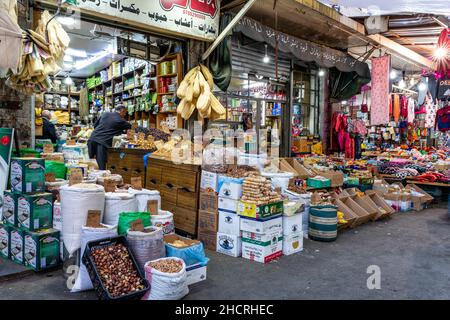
(396, 111)
(431, 110)
(379, 112)
(411, 108)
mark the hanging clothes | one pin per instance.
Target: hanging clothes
(411, 109)
(379, 112)
(430, 108)
(396, 111)
(404, 107)
(443, 119)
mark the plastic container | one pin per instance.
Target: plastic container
(280, 179)
(164, 220)
(317, 184)
(99, 288)
(323, 223)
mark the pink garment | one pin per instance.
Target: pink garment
(379, 112)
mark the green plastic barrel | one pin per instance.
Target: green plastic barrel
(323, 223)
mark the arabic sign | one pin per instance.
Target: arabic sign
(6, 140)
(192, 18)
(302, 49)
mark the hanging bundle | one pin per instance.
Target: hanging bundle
(146, 245)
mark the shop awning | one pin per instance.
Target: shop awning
(302, 49)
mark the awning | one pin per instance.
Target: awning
(302, 49)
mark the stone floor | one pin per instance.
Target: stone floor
(412, 251)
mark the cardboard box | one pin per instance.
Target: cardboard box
(195, 274)
(349, 215)
(208, 238)
(262, 248)
(293, 243)
(285, 166)
(228, 205)
(229, 223)
(292, 224)
(302, 171)
(207, 221)
(229, 244)
(9, 209)
(262, 211)
(208, 182)
(229, 187)
(27, 175)
(181, 252)
(367, 206)
(262, 226)
(41, 249)
(35, 212)
(428, 198)
(208, 201)
(384, 210)
(5, 240)
(362, 216)
(336, 178)
(393, 200)
(16, 246)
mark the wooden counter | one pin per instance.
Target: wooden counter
(127, 163)
(179, 185)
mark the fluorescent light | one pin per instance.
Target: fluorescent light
(76, 53)
(67, 21)
(266, 58)
(68, 66)
(393, 74)
(80, 64)
(68, 58)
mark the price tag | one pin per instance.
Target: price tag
(76, 176)
(152, 207)
(136, 182)
(50, 177)
(93, 219)
(137, 225)
(48, 148)
(109, 185)
(71, 142)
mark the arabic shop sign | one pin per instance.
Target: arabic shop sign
(192, 18)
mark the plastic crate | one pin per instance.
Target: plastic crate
(317, 184)
(99, 288)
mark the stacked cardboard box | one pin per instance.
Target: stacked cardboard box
(229, 235)
(208, 210)
(292, 233)
(26, 236)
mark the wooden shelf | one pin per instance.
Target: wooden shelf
(170, 75)
(167, 94)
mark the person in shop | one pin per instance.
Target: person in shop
(109, 125)
(48, 128)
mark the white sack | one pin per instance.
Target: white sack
(76, 201)
(83, 281)
(146, 246)
(116, 203)
(143, 196)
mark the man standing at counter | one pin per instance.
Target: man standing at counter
(109, 125)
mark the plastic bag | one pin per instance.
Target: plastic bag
(59, 168)
(83, 281)
(164, 220)
(126, 217)
(146, 246)
(191, 255)
(166, 286)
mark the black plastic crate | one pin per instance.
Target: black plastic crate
(100, 289)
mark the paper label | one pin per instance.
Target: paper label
(93, 219)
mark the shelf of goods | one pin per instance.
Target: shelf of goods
(48, 105)
(179, 186)
(127, 163)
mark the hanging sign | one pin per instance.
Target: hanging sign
(6, 139)
(444, 89)
(192, 18)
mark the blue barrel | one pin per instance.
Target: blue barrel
(323, 223)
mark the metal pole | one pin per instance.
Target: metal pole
(228, 28)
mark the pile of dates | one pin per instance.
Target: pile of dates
(116, 270)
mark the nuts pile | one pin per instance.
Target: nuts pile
(167, 265)
(116, 270)
(258, 190)
(240, 171)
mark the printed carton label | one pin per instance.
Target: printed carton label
(4, 241)
(30, 251)
(17, 246)
(8, 208)
(16, 176)
(23, 212)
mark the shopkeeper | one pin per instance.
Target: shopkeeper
(109, 125)
(48, 128)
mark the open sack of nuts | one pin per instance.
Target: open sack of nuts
(117, 276)
(167, 277)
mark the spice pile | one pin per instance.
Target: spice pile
(167, 265)
(258, 190)
(116, 270)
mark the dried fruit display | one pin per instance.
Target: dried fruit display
(258, 190)
(167, 265)
(116, 270)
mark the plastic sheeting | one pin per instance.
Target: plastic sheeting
(76, 201)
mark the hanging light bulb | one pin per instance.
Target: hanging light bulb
(68, 81)
(411, 82)
(402, 84)
(321, 73)
(266, 58)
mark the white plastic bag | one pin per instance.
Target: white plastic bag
(76, 201)
(164, 220)
(143, 196)
(116, 203)
(166, 286)
(146, 246)
(83, 281)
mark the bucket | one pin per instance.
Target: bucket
(323, 223)
(164, 220)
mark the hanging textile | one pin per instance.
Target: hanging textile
(344, 85)
(10, 43)
(220, 59)
(84, 103)
(396, 110)
(411, 108)
(431, 110)
(379, 113)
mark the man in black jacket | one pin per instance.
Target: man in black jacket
(109, 125)
(48, 128)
